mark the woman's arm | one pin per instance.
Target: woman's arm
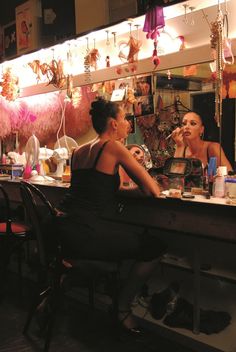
(177, 136)
(135, 171)
(214, 149)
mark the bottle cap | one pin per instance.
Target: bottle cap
(222, 171)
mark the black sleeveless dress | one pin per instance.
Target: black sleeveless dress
(91, 190)
(84, 234)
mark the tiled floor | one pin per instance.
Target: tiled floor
(77, 329)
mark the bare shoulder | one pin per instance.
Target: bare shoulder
(80, 148)
(83, 149)
(116, 146)
(213, 146)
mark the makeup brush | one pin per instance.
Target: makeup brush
(168, 137)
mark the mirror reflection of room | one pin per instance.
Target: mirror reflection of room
(154, 104)
(176, 92)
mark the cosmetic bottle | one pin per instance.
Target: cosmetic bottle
(219, 182)
(205, 179)
(211, 171)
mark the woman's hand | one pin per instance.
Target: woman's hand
(177, 136)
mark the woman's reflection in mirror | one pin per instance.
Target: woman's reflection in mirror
(143, 157)
(190, 143)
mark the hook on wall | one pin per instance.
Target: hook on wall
(137, 30)
(114, 38)
(191, 19)
(191, 22)
(108, 40)
(130, 28)
(185, 20)
(87, 40)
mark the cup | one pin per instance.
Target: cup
(222, 171)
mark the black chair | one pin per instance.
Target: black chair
(13, 235)
(54, 269)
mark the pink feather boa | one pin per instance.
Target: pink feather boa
(6, 109)
(78, 120)
(41, 115)
(46, 109)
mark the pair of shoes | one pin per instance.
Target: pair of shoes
(164, 301)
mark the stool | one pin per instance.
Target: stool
(12, 235)
(53, 267)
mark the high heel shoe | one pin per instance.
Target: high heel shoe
(129, 329)
(163, 301)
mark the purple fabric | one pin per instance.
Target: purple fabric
(154, 19)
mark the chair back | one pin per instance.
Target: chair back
(33, 199)
(7, 217)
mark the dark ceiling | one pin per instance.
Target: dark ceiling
(7, 10)
(7, 7)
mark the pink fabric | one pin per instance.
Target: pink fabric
(47, 110)
(154, 19)
(78, 120)
(6, 108)
(27, 172)
(41, 115)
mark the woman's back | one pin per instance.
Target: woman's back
(93, 181)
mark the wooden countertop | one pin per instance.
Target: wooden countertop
(60, 184)
(200, 217)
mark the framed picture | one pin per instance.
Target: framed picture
(131, 119)
(143, 86)
(27, 27)
(124, 83)
(9, 40)
(144, 106)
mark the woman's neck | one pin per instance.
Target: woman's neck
(195, 145)
(106, 136)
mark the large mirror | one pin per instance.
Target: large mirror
(175, 92)
(154, 103)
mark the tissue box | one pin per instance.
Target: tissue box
(13, 170)
(230, 187)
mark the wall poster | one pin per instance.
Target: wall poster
(9, 40)
(26, 27)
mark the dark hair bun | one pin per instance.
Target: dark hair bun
(98, 106)
(101, 110)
